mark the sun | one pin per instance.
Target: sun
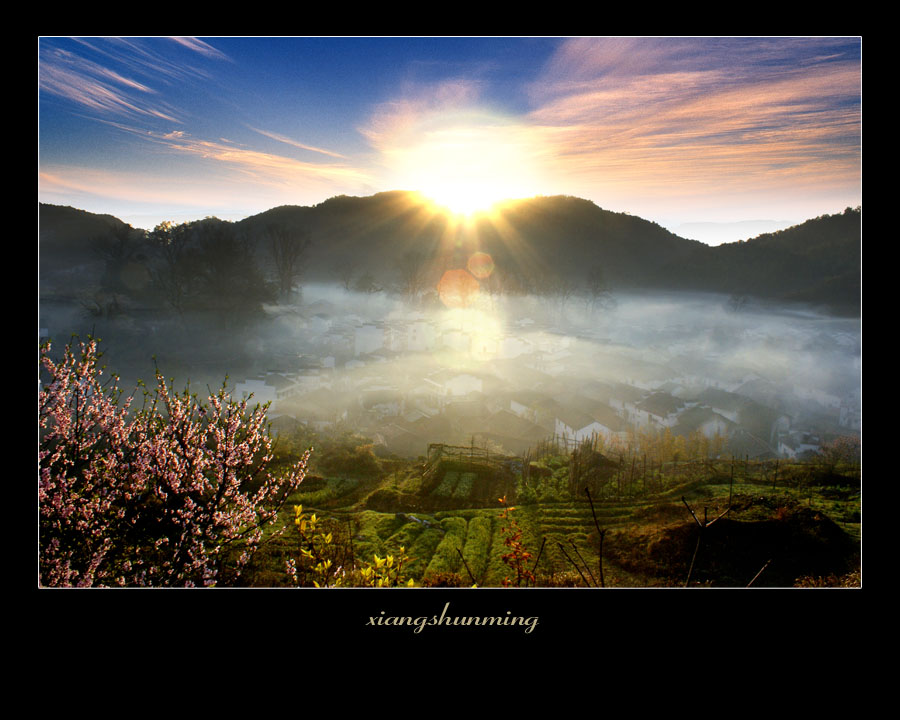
(469, 168)
(464, 198)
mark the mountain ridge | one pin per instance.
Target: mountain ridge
(547, 240)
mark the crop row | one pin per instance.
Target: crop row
(446, 556)
(456, 484)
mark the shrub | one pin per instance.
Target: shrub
(174, 494)
(386, 572)
(350, 459)
(385, 499)
(321, 555)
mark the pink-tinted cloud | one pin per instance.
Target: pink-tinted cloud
(134, 187)
(627, 116)
(416, 109)
(199, 46)
(227, 173)
(264, 168)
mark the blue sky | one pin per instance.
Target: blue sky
(675, 130)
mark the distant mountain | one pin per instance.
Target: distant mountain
(536, 245)
(715, 233)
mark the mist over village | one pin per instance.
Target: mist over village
(418, 354)
(769, 385)
(470, 369)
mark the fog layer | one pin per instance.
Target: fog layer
(508, 372)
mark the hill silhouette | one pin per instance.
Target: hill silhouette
(541, 245)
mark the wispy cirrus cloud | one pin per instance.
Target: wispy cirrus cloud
(97, 88)
(682, 116)
(288, 141)
(231, 163)
(118, 76)
(199, 46)
(153, 57)
(265, 169)
(124, 83)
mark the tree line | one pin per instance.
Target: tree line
(205, 265)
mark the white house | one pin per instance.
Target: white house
(446, 387)
(463, 384)
(269, 389)
(624, 400)
(704, 420)
(395, 336)
(420, 336)
(575, 426)
(726, 404)
(658, 409)
(796, 444)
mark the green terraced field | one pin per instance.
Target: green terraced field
(466, 546)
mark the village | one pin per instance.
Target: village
(509, 381)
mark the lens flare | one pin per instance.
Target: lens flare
(457, 288)
(481, 265)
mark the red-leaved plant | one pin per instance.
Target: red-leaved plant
(518, 556)
(176, 493)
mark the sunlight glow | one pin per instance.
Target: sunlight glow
(468, 169)
(482, 331)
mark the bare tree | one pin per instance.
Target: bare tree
(412, 275)
(366, 283)
(346, 272)
(737, 302)
(598, 294)
(559, 289)
(287, 249)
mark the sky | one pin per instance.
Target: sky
(717, 139)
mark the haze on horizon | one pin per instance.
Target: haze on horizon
(696, 134)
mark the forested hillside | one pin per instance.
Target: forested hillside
(545, 245)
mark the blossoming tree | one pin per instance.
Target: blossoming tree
(176, 493)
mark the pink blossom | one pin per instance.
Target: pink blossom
(155, 496)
